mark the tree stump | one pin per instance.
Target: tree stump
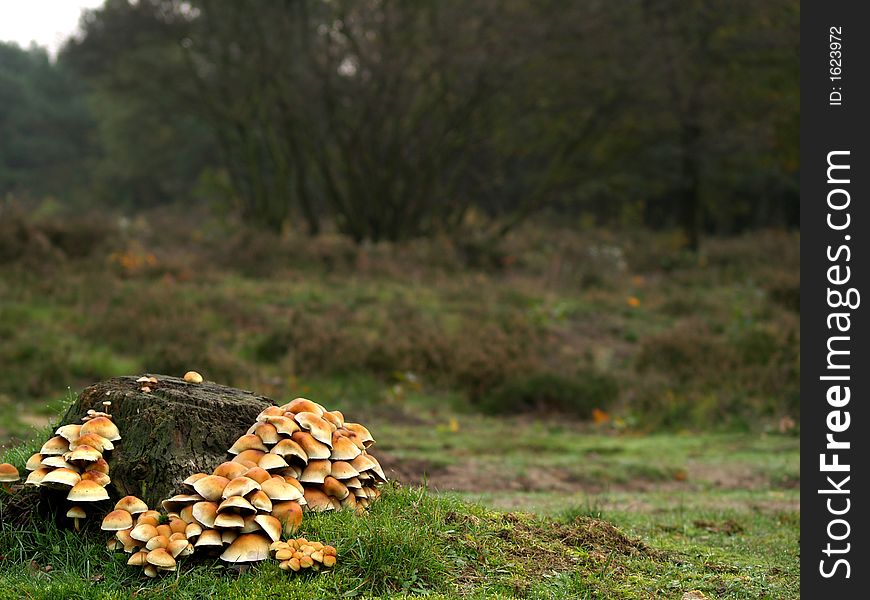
(169, 433)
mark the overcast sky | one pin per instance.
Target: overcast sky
(46, 22)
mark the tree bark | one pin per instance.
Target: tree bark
(169, 433)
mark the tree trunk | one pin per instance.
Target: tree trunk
(169, 433)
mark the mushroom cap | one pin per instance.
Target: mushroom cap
(270, 525)
(83, 453)
(283, 424)
(319, 428)
(211, 487)
(272, 462)
(376, 469)
(349, 503)
(209, 537)
(158, 541)
(228, 520)
(99, 465)
(316, 471)
(143, 532)
(343, 470)
(344, 449)
(8, 473)
(295, 483)
(303, 405)
(236, 503)
(266, 432)
(352, 483)
(261, 501)
(335, 417)
(102, 426)
(192, 530)
(55, 461)
(362, 432)
(240, 486)
(160, 558)
(100, 479)
(205, 513)
(228, 535)
(333, 487)
(132, 505)
(34, 462)
(258, 474)
(179, 501)
(150, 570)
(138, 559)
(55, 445)
(60, 479)
(87, 491)
(192, 377)
(248, 547)
(312, 447)
(230, 469)
(93, 440)
(69, 432)
(251, 454)
(317, 501)
(188, 483)
(76, 512)
(249, 441)
(151, 517)
(185, 548)
(278, 489)
(288, 447)
(35, 478)
(270, 411)
(117, 520)
(250, 525)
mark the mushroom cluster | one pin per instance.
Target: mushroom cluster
(305, 443)
(72, 462)
(153, 540)
(298, 554)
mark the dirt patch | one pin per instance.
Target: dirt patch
(728, 527)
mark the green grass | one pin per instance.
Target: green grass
(413, 543)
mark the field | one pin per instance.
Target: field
(573, 377)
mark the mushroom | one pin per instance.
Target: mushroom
(362, 432)
(279, 489)
(205, 513)
(83, 453)
(316, 471)
(103, 427)
(87, 491)
(132, 505)
(209, 538)
(270, 525)
(55, 445)
(249, 441)
(93, 440)
(160, 558)
(117, 520)
(35, 478)
(34, 462)
(99, 478)
(312, 447)
(240, 486)
(283, 424)
(289, 448)
(272, 462)
(248, 547)
(211, 487)
(60, 479)
(236, 503)
(266, 432)
(8, 474)
(317, 501)
(317, 426)
(69, 432)
(76, 513)
(193, 377)
(303, 405)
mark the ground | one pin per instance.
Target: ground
(663, 459)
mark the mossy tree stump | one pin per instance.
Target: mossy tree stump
(169, 433)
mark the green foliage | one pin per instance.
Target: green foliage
(577, 395)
